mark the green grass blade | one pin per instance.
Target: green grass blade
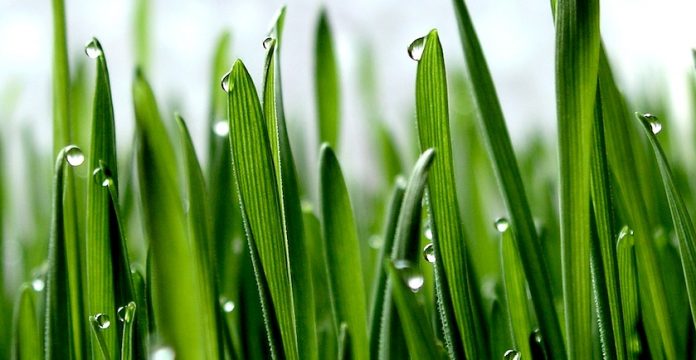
(577, 51)
(102, 165)
(508, 174)
(515, 291)
(343, 342)
(203, 254)
(433, 128)
(61, 79)
(342, 253)
(174, 289)
(326, 83)
(100, 323)
(126, 314)
(683, 226)
(141, 29)
(142, 320)
(500, 333)
(26, 338)
(626, 263)
(256, 179)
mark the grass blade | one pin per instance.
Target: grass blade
(258, 195)
(141, 29)
(342, 253)
(626, 261)
(61, 79)
(26, 338)
(126, 314)
(510, 181)
(326, 83)
(433, 129)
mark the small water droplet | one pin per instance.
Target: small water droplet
(375, 241)
(267, 42)
(74, 155)
(429, 253)
(163, 353)
(654, 122)
(428, 232)
(38, 284)
(125, 313)
(102, 321)
(536, 336)
(415, 49)
(221, 128)
(512, 355)
(227, 304)
(225, 82)
(411, 275)
(102, 176)
(93, 49)
(502, 224)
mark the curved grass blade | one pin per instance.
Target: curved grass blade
(684, 228)
(326, 83)
(174, 289)
(61, 79)
(433, 129)
(510, 181)
(289, 194)
(342, 253)
(26, 337)
(258, 195)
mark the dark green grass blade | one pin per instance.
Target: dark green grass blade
(142, 322)
(174, 285)
(433, 129)
(61, 79)
(343, 253)
(26, 337)
(289, 194)
(198, 220)
(510, 180)
(102, 166)
(343, 342)
(515, 293)
(577, 50)
(326, 83)
(256, 179)
(683, 226)
(420, 339)
(626, 263)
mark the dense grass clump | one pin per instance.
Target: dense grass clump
(153, 254)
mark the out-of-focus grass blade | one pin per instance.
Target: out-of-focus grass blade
(198, 220)
(420, 338)
(343, 253)
(343, 342)
(510, 180)
(61, 79)
(501, 340)
(141, 31)
(102, 162)
(626, 263)
(174, 289)
(326, 84)
(515, 290)
(577, 51)
(289, 194)
(684, 228)
(26, 337)
(258, 195)
(433, 128)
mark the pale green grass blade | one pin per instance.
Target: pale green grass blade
(433, 128)
(628, 282)
(258, 195)
(515, 291)
(577, 51)
(683, 226)
(203, 254)
(174, 284)
(61, 79)
(26, 337)
(141, 33)
(507, 171)
(342, 253)
(126, 314)
(326, 83)
(343, 342)
(102, 165)
(289, 194)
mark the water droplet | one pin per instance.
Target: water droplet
(411, 275)
(502, 224)
(429, 253)
(102, 176)
(375, 242)
(227, 304)
(428, 232)
(654, 122)
(625, 232)
(74, 155)
(415, 50)
(38, 284)
(267, 42)
(512, 355)
(102, 321)
(163, 353)
(225, 82)
(221, 128)
(536, 336)
(93, 49)
(125, 313)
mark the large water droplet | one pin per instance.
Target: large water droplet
(38, 284)
(225, 82)
(429, 253)
(93, 49)
(102, 176)
(512, 355)
(227, 304)
(502, 224)
(102, 320)
(267, 42)
(411, 275)
(74, 155)
(415, 49)
(125, 313)
(163, 353)
(221, 128)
